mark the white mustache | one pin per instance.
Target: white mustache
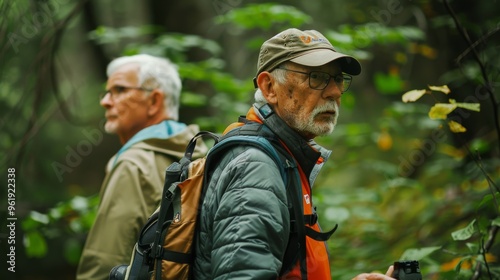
(329, 107)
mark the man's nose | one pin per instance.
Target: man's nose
(332, 91)
(106, 100)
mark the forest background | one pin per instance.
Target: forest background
(415, 171)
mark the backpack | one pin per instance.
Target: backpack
(166, 240)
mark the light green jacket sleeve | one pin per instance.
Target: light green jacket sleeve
(130, 194)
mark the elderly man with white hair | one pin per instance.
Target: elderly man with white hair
(141, 105)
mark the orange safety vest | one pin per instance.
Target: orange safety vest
(317, 259)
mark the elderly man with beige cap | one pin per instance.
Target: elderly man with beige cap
(245, 228)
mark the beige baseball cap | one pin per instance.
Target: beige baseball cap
(308, 47)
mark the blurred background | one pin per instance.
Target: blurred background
(407, 180)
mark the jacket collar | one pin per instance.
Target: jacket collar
(162, 130)
(305, 155)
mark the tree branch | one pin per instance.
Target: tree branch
(485, 248)
(46, 77)
(488, 84)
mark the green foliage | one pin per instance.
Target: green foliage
(465, 233)
(372, 33)
(259, 16)
(388, 83)
(66, 221)
(418, 254)
(106, 35)
(480, 204)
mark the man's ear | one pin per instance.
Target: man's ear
(266, 84)
(155, 102)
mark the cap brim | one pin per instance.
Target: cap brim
(320, 57)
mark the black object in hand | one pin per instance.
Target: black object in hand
(407, 270)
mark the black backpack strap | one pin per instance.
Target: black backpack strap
(317, 235)
(294, 195)
(320, 236)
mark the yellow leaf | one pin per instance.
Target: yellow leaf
(441, 110)
(384, 141)
(452, 151)
(490, 257)
(413, 95)
(456, 127)
(428, 52)
(444, 89)
(451, 265)
(468, 106)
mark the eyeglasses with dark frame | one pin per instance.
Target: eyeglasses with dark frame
(319, 80)
(118, 90)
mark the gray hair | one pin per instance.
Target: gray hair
(155, 72)
(279, 75)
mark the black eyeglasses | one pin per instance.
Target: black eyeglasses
(118, 90)
(319, 80)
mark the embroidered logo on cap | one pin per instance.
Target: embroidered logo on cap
(309, 39)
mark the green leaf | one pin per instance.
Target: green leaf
(366, 35)
(418, 254)
(337, 214)
(107, 35)
(179, 43)
(72, 251)
(388, 83)
(473, 247)
(56, 213)
(87, 220)
(35, 220)
(79, 204)
(480, 145)
(465, 233)
(76, 225)
(39, 217)
(488, 201)
(191, 99)
(35, 244)
(496, 222)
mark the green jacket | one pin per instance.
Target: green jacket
(131, 191)
(244, 223)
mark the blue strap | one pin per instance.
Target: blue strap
(255, 141)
